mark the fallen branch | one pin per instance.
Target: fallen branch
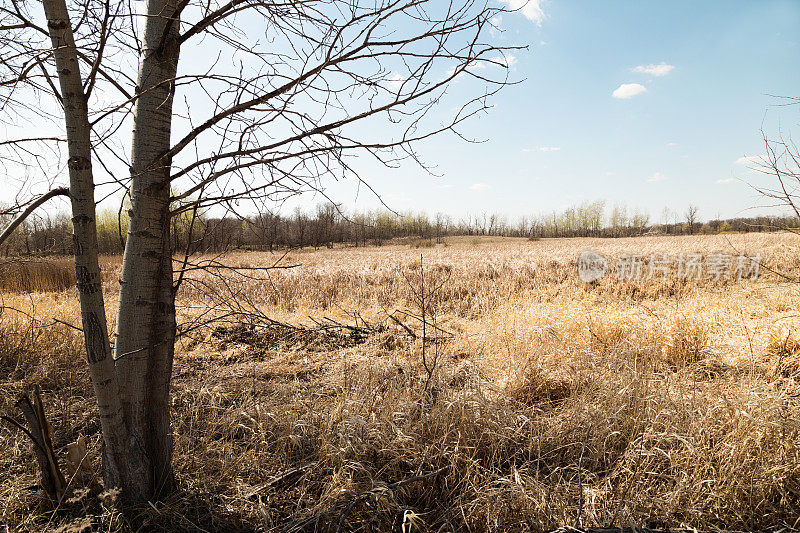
(38, 431)
(399, 323)
(279, 478)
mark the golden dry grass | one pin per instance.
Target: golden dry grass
(36, 275)
(660, 403)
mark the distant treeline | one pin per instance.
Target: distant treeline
(328, 225)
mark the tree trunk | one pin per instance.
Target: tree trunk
(146, 316)
(87, 268)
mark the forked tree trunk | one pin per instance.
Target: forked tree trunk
(132, 388)
(93, 314)
(146, 317)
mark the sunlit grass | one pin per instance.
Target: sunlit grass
(653, 403)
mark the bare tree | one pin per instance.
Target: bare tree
(781, 161)
(690, 216)
(666, 213)
(277, 100)
(441, 226)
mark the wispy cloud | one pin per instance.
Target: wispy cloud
(750, 160)
(479, 187)
(395, 81)
(658, 176)
(726, 180)
(672, 144)
(542, 149)
(609, 173)
(531, 9)
(628, 90)
(662, 69)
(506, 60)
(474, 65)
(495, 23)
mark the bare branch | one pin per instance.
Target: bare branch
(19, 219)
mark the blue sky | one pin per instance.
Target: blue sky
(642, 103)
(698, 75)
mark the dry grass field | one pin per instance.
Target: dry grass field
(546, 401)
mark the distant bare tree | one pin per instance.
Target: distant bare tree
(277, 98)
(666, 214)
(441, 226)
(690, 216)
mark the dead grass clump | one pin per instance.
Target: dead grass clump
(38, 275)
(722, 450)
(541, 388)
(36, 354)
(686, 343)
(661, 449)
(785, 352)
(609, 334)
(644, 289)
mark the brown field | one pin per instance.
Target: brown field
(551, 402)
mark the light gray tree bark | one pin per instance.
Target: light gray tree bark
(146, 317)
(87, 267)
(132, 388)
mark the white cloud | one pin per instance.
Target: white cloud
(609, 173)
(750, 160)
(658, 176)
(542, 149)
(444, 186)
(662, 69)
(395, 81)
(531, 9)
(628, 90)
(506, 60)
(474, 65)
(726, 180)
(672, 144)
(479, 187)
(495, 22)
